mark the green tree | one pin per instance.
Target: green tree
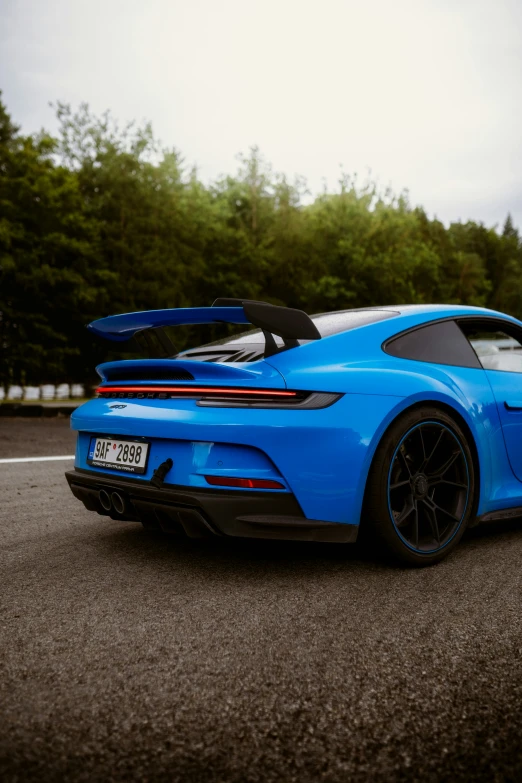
(49, 276)
(104, 219)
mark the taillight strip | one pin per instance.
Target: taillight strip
(195, 390)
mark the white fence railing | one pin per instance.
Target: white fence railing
(46, 392)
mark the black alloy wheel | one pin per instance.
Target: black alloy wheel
(420, 492)
(428, 486)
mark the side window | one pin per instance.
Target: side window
(496, 349)
(441, 342)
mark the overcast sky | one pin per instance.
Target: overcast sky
(425, 93)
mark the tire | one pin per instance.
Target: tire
(420, 493)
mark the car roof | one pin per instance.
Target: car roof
(396, 318)
(443, 309)
(365, 342)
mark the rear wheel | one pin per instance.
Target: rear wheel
(420, 492)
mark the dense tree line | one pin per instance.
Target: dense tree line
(101, 220)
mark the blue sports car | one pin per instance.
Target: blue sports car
(404, 421)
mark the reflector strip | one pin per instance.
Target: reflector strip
(195, 390)
(244, 483)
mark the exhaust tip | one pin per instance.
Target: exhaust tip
(118, 502)
(105, 500)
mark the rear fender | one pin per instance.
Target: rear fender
(497, 487)
(407, 383)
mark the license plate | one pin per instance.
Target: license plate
(129, 456)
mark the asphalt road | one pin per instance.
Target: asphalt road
(128, 656)
(38, 437)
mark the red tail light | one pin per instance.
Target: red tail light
(243, 483)
(191, 391)
(223, 397)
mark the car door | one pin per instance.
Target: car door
(498, 345)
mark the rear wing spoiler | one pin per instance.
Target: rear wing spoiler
(147, 326)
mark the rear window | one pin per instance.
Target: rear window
(327, 324)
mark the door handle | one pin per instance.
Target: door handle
(513, 405)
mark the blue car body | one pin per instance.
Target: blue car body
(320, 457)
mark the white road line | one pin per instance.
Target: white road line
(34, 459)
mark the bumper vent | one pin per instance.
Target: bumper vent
(148, 375)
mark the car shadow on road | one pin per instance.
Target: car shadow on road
(240, 553)
(291, 556)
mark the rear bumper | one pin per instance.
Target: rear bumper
(202, 513)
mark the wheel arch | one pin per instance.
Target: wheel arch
(450, 410)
